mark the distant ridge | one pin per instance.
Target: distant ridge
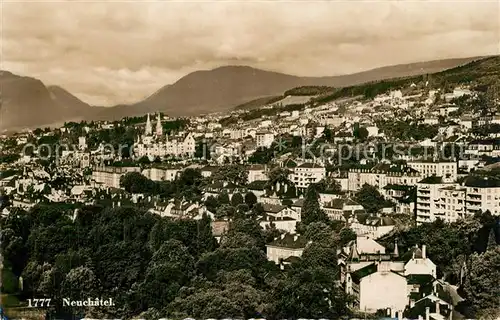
(27, 102)
(223, 88)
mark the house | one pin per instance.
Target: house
(257, 172)
(366, 285)
(285, 246)
(280, 211)
(488, 147)
(381, 175)
(284, 223)
(419, 263)
(297, 205)
(258, 188)
(342, 209)
(367, 269)
(207, 171)
(374, 227)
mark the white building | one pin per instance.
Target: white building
(420, 264)
(382, 175)
(286, 246)
(445, 169)
(369, 288)
(306, 174)
(257, 172)
(264, 139)
(451, 202)
(482, 194)
(110, 176)
(161, 174)
(428, 199)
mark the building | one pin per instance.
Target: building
(286, 246)
(264, 139)
(428, 194)
(381, 175)
(367, 270)
(306, 174)
(110, 176)
(157, 145)
(420, 264)
(445, 169)
(451, 203)
(257, 172)
(367, 284)
(161, 174)
(482, 194)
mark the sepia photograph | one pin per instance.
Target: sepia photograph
(249, 159)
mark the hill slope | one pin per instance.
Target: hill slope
(27, 102)
(223, 88)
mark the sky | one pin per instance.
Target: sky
(111, 52)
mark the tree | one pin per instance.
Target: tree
(346, 235)
(320, 232)
(233, 173)
(223, 198)
(225, 211)
(371, 199)
(144, 160)
(211, 204)
(481, 286)
(79, 284)
(278, 175)
(309, 289)
(329, 185)
(134, 182)
(236, 199)
(360, 133)
(233, 294)
(311, 210)
(171, 267)
(250, 199)
(238, 240)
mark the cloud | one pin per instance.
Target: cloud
(119, 52)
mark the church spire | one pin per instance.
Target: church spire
(149, 128)
(159, 127)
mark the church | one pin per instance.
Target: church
(156, 144)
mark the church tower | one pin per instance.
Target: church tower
(149, 128)
(159, 127)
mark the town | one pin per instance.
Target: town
(382, 200)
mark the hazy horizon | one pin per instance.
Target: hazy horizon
(108, 53)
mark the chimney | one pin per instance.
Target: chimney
(437, 307)
(427, 313)
(423, 252)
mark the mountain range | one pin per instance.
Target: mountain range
(27, 102)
